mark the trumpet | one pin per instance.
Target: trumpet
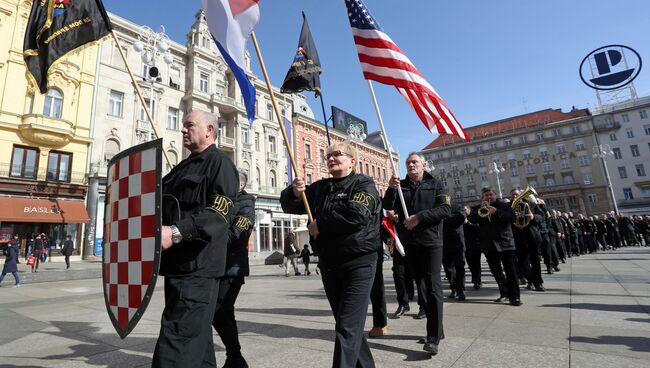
(484, 211)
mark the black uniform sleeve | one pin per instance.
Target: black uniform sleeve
(352, 214)
(456, 218)
(292, 204)
(473, 216)
(441, 208)
(390, 196)
(243, 221)
(213, 220)
(505, 213)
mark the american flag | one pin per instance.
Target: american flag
(383, 61)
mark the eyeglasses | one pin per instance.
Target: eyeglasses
(337, 153)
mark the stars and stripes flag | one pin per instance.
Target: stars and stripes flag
(231, 22)
(383, 61)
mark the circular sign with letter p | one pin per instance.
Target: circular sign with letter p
(610, 67)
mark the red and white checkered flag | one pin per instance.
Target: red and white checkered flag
(132, 223)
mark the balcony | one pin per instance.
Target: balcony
(226, 142)
(271, 156)
(605, 127)
(227, 104)
(142, 126)
(46, 131)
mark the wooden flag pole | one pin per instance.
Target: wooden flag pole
(387, 145)
(279, 116)
(137, 92)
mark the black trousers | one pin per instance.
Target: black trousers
(549, 252)
(348, 291)
(528, 262)
(186, 328)
(426, 263)
(508, 283)
(224, 318)
(474, 265)
(67, 261)
(403, 279)
(378, 296)
(453, 261)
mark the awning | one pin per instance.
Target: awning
(60, 211)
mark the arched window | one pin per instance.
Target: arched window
(550, 182)
(111, 149)
(258, 177)
(53, 103)
(273, 180)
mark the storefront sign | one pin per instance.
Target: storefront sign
(47, 210)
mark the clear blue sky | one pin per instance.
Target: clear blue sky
(487, 59)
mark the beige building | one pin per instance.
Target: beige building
(44, 138)
(549, 150)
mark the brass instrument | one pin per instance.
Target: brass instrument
(521, 206)
(484, 211)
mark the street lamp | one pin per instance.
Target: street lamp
(497, 170)
(151, 45)
(601, 151)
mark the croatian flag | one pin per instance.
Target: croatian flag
(390, 227)
(231, 22)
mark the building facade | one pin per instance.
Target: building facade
(44, 138)
(623, 131)
(549, 150)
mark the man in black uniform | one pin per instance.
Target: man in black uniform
(241, 226)
(556, 235)
(421, 233)
(527, 241)
(453, 251)
(473, 250)
(601, 231)
(497, 243)
(197, 201)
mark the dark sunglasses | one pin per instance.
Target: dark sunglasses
(337, 153)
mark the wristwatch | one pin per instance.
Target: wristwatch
(176, 235)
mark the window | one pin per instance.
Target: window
(322, 157)
(573, 200)
(152, 110)
(527, 156)
(645, 192)
(567, 179)
(493, 146)
(513, 172)
(272, 144)
(204, 82)
(53, 103)
(458, 195)
(617, 153)
(373, 171)
(547, 167)
(557, 132)
(575, 129)
(484, 176)
(481, 162)
(245, 135)
(640, 170)
(635, 150)
(111, 148)
(580, 146)
(465, 150)
(470, 179)
(539, 136)
(533, 182)
(439, 156)
(561, 148)
(508, 142)
(456, 180)
(643, 114)
(530, 169)
(593, 198)
(454, 167)
(523, 140)
(309, 179)
(307, 152)
(145, 70)
(543, 152)
(479, 148)
(58, 167)
(622, 172)
(629, 132)
(24, 162)
(626, 118)
(175, 78)
(257, 141)
(115, 103)
(627, 192)
(646, 129)
(564, 164)
(172, 118)
(269, 112)
(550, 182)
(384, 174)
(583, 160)
(587, 179)
(367, 169)
(272, 179)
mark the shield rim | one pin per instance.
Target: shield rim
(124, 332)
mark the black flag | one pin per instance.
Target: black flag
(58, 27)
(305, 70)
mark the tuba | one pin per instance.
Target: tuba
(521, 206)
(484, 211)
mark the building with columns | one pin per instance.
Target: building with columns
(44, 138)
(549, 150)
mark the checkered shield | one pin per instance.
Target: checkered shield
(132, 223)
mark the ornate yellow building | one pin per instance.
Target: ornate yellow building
(44, 138)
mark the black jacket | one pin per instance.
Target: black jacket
(198, 198)
(429, 201)
(347, 213)
(67, 248)
(472, 239)
(453, 236)
(495, 232)
(532, 232)
(241, 227)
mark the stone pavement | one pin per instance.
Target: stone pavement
(595, 313)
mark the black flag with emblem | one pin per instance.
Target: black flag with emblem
(305, 70)
(58, 27)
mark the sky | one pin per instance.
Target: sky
(488, 60)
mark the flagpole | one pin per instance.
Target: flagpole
(279, 115)
(137, 92)
(390, 153)
(327, 129)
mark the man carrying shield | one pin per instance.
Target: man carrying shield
(197, 201)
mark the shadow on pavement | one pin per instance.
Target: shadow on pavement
(288, 311)
(635, 343)
(601, 307)
(646, 320)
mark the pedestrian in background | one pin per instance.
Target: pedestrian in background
(37, 251)
(291, 253)
(11, 253)
(67, 249)
(305, 254)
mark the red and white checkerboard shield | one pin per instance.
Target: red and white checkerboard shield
(132, 223)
